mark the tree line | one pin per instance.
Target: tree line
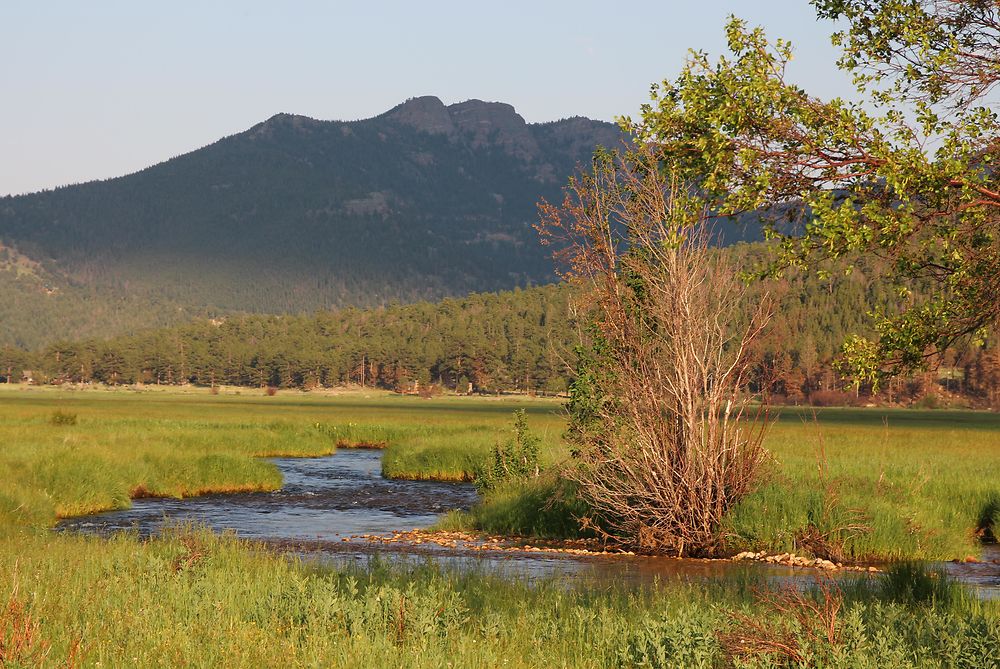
(520, 340)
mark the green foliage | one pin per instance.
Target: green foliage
(546, 506)
(197, 599)
(62, 308)
(916, 479)
(514, 460)
(873, 485)
(916, 585)
(837, 181)
(586, 389)
(498, 342)
(516, 340)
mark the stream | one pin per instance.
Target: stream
(326, 503)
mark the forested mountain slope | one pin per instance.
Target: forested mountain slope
(293, 215)
(513, 340)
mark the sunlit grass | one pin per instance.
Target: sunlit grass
(194, 599)
(121, 444)
(869, 484)
(884, 484)
(872, 483)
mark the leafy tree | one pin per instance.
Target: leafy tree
(836, 180)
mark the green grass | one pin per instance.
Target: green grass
(56, 470)
(177, 601)
(863, 483)
(544, 507)
(852, 484)
(918, 484)
(123, 444)
(195, 599)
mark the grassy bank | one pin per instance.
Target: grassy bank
(848, 483)
(74, 452)
(92, 460)
(876, 484)
(175, 602)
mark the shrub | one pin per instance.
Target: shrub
(60, 417)
(664, 438)
(429, 390)
(516, 459)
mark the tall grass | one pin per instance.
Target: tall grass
(875, 484)
(177, 602)
(195, 599)
(97, 464)
(123, 445)
(545, 507)
(852, 484)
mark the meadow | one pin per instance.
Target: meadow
(194, 599)
(855, 484)
(921, 482)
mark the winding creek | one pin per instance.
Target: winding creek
(326, 503)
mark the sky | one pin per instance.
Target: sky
(92, 90)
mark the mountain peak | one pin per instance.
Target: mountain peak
(422, 201)
(283, 120)
(483, 122)
(478, 122)
(426, 113)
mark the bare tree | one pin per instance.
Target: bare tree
(664, 440)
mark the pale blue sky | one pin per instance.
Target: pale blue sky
(97, 89)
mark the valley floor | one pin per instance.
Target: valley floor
(869, 484)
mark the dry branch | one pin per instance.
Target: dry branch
(672, 444)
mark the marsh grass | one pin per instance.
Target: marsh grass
(545, 507)
(196, 599)
(876, 484)
(98, 464)
(174, 601)
(122, 445)
(847, 483)
(831, 623)
(918, 585)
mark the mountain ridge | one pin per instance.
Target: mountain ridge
(423, 201)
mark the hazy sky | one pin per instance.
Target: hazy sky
(98, 89)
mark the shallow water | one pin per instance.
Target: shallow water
(326, 501)
(326, 498)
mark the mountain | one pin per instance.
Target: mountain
(292, 215)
